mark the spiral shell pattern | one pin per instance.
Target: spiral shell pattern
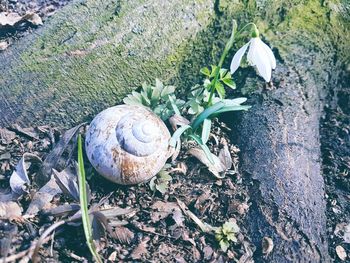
(127, 144)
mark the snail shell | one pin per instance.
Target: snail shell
(127, 144)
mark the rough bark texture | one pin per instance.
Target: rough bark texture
(88, 55)
(280, 139)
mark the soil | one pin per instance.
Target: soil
(335, 146)
(166, 238)
(44, 8)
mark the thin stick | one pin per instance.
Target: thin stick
(23, 253)
(42, 239)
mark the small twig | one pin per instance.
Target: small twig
(23, 253)
(42, 239)
(76, 257)
(52, 242)
(206, 228)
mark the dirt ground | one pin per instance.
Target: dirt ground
(157, 224)
(335, 146)
(44, 8)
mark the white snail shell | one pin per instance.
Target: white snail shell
(127, 144)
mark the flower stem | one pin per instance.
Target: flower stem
(228, 46)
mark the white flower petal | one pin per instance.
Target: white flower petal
(237, 58)
(252, 47)
(257, 57)
(270, 55)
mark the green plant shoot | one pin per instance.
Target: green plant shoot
(84, 203)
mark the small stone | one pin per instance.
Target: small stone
(112, 257)
(341, 253)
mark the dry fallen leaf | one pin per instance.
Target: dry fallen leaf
(177, 120)
(206, 228)
(208, 252)
(42, 198)
(10, 210)
(67, 181)
(65, 144)
(343, 230)
(113, 256)
(123, 234)
(6, 136)
(10, 19)
(215, 168)
(225, 157)
(164, 209)
(19, 179)
(341, 252)
(267, 245)
(33, 18)
(140, 250)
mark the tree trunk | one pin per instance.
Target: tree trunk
(90, 53)
(279, 137)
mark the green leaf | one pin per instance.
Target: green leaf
(84, 203)
(233, 108)
(156, 92)
(207, 84)
(174, 106)
(132, 100)
(231, 237)
(224, 245)
(177, 134)
(206, 113)
(204, 147)
(213, 71)
(206, 130)
(167, 90)
(145, 99)
(159, 85)
(230, 83)
(205, 71)
(234, 102)
(152, 184)
(166, 177)
(222, 73)
(147, 89)
(162, 187)
(220, 89)
(227, 76)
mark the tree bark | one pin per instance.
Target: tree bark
(279, 137)
(89, 54)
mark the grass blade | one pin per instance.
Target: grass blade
(84, 203)
(203, 146)
(205, 114)
(206, 130)
(173, 104)
(173, 140)
(233, 108)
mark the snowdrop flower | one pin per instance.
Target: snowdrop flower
(259, 55)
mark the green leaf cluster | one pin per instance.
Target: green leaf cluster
(157, 98)
(224, 80)
(226, 234)
(161, 181)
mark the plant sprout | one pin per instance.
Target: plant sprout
(84, 203)
(226, 234)
(208, 100)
